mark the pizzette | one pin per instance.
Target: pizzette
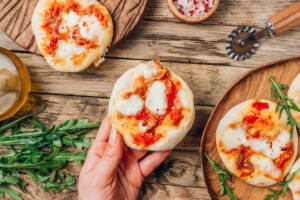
(151, 107)
(254, 143)
(72, 34)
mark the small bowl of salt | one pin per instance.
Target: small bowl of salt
(193, 11)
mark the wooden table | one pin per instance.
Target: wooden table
(195, 52)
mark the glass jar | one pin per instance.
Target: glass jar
(15, 84)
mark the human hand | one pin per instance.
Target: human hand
(112, 171)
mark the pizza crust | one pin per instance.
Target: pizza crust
(231, 135)
(294, 93)
(171, 134)
(295, 184)
(69, 55)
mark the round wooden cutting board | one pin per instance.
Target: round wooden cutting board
(254, 84)
(15, 19)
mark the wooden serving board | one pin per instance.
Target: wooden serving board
(15, 19)
(254, 84)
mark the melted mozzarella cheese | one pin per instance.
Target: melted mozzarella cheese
(233, 138)
(130, 106)
(70, 19)
(265, 165)
(90, 27)
(156, 98)
(147, 71)
(68, 49)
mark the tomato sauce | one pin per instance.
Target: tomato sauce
(284, 157)
(256, 123)
(174, 109)
(53, 20)
(260, 106)
(146, 139)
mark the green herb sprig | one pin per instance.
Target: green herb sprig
(40, 153)
(275, 193)
(284, 104)
(223, 176)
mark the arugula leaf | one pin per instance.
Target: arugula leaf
(40, 153)
(64, 182)
(10, 192)
(284, 104)
(15, 122)
(38, 124)
(223, 176)
(72, 125)
(285, 184)
(68, 156)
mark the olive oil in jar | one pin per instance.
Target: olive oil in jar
(14, 84)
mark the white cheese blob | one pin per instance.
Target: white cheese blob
(130, 106)
(68, 49)
(148, 72)
(145, 70)
(265, 165)
(156, 98)
(90, 27)
(233, 138)
(70, 19)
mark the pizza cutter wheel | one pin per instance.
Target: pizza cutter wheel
(243, 41)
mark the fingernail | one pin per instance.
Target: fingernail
(113, 135)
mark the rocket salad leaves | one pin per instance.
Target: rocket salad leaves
(40, 153)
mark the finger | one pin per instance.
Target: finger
(137, 154)
(104, 130)
(101, 140)
(98, 147)
(111, 159)
(152, 161)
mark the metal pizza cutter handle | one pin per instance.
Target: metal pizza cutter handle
(286, 19)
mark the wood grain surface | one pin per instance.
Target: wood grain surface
(254, 84)
(15, 19)
(195, 52)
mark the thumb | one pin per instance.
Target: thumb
(111, 159)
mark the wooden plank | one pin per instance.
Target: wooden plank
(194, 44)
(229, 12)
(153, 191)
(179, 169)
(200, 44)
(206, 81)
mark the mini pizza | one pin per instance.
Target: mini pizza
(72, 34)
(295, 184)
(294, 93)
(151, 107)
(255, 144)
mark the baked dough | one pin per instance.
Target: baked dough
(151, 107)
(254, 142)
(294, 93)
(72, 34)
(295, 184)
